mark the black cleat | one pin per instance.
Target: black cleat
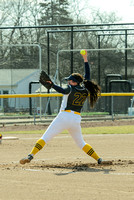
(104, 162)
(26, 160)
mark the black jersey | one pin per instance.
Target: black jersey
(75, 99)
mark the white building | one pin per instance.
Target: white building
(16, 81)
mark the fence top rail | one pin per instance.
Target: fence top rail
(57, 95)
(66, 25)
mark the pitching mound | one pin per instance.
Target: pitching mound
(117, 166)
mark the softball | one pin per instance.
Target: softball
(83, 52)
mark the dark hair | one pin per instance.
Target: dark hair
(94, 91)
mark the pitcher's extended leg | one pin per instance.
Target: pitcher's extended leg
(76, 134)
(55, 128)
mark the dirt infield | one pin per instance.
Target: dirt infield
(62, 171)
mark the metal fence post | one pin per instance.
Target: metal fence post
(112, 108)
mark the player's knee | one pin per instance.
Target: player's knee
(81, 144)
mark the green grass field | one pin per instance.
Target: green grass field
(129, 129)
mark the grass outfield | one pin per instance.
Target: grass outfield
(128, 129)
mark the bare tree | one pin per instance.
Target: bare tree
(78, 8)
(18, 13)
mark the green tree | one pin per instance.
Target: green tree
(55, 12)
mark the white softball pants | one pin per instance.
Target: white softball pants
(68, 121)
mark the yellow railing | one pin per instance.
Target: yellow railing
(57, 95)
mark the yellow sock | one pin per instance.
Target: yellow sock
(38, 146)
(89, 150)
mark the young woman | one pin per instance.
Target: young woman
(69, 117)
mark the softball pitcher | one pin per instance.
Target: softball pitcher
(69, 117)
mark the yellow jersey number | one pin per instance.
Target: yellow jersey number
(80, 99)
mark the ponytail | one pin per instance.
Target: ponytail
(94, 91)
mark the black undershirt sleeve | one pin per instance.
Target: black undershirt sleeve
(62, 90)
(87, 71)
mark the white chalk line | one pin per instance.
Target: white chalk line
(70, 172)
(51, 171)
(122, 174)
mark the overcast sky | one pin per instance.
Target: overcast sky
(122, 8)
